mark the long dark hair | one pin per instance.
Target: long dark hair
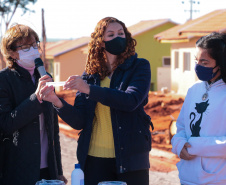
(215, 44)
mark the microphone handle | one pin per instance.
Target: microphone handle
(41, 70)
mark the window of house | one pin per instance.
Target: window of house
(187, 61)
(176, 59)
(166, 61)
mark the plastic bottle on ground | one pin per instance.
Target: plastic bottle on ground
(77, 176)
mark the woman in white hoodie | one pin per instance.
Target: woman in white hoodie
(200, 141)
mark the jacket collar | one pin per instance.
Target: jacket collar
(128, 62)
(87, 77)
(23, 72)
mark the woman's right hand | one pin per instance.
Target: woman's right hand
(184, 153)
(76, 82)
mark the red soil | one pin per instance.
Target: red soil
(162, 108)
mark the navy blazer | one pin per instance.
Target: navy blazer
(19, 120)
(126, 97)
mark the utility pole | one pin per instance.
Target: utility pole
(44, 42)
(2, 61)
(191, 7)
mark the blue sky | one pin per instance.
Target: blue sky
(69, 19)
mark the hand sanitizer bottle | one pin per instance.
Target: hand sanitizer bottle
(77, 176)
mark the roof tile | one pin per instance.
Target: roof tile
(65, 46)
(143, 26)
(214, 21)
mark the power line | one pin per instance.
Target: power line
(191, 10)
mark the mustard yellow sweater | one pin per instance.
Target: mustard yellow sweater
(102, 142)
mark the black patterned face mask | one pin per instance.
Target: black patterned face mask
(115, 46)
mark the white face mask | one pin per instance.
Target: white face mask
(27, 58)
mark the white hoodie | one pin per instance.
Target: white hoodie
(207, 123)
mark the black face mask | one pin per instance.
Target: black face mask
(205, 73)
(115, 46)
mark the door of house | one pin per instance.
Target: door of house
(57, 74)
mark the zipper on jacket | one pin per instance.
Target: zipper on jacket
(117, 125)
(121, 169)
(120, 158)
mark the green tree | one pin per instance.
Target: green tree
(9, 7)
(7, 11)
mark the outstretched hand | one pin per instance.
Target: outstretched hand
(184, 153)
(77, 83)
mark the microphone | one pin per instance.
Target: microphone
(40, 67)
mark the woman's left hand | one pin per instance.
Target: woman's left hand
(62, 178)
(47, 93)
(77, 83)
(184, 153)
(41, 84)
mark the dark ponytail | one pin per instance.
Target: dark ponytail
(223, 64)
(215, 44)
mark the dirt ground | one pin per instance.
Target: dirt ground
(162, 108)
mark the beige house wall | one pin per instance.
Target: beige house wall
(182, 79)
(69, 63)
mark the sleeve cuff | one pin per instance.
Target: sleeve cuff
(180, 147)
(33, 98)
(62, 108)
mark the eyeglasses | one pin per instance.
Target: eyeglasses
(27, 47)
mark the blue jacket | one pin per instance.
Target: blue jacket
(126, 97)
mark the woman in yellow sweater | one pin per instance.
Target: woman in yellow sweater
(115, 140)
